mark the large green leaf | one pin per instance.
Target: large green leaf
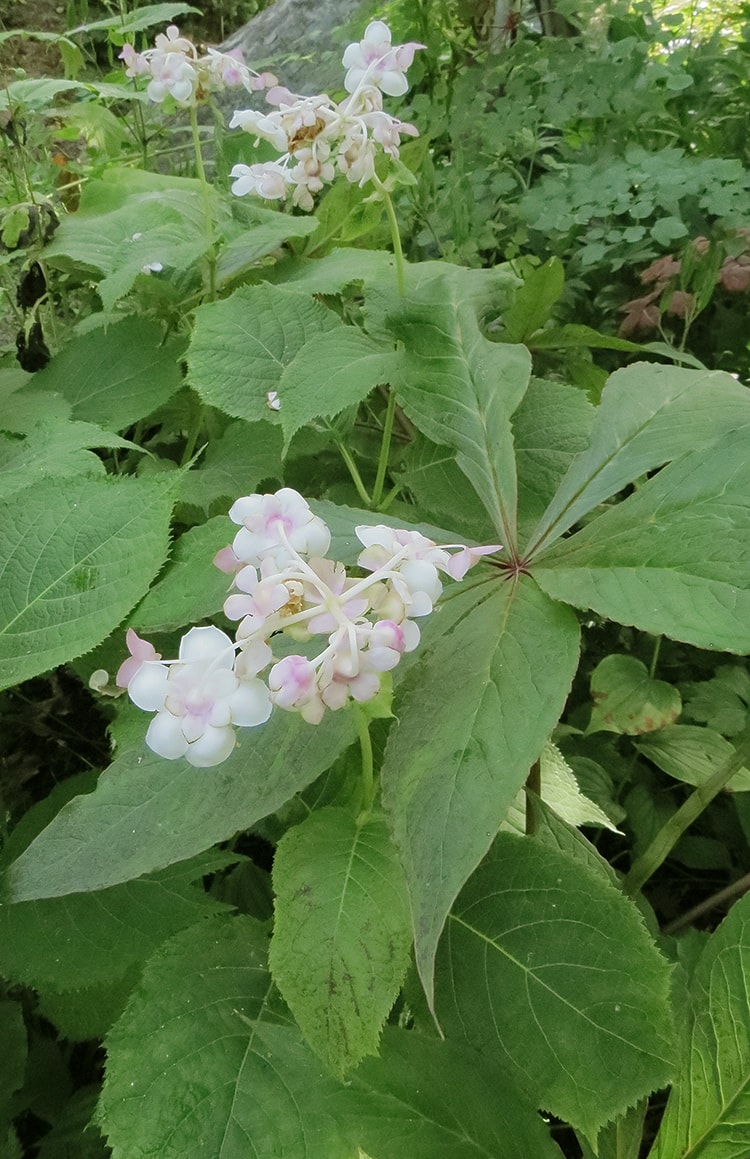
(550, 427)
(201, 1062)
(129, 219)
(234, 465)
(547, 968)
(241, 345)
(708, 1113)
(52, 448)
(85, 939)
(673, 557)
(74, 563)
(342, 934)
(116, 374)
(459, 388)
(478, 707)
(648, 416)
(191, 588)
(331, 372)
(148, 813)
(427, 1099)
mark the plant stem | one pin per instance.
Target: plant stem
(655, 657)
(669, 834)
(368, 779)
(348, 458)
(728, 893)
(533, 785)
(385, 450)
(398, 252)
(206, 195)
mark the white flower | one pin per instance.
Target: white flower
(278, 526)
(374, 60)
(197, 699)
(172, 76)
(268, 179)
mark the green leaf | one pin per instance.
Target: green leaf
(148, 813)
(73, 1136)
(201, 1064)
(478, 706)
(673, 557)
(74, 564)
(533, 304)
(648, 416)
(36, 93)
(430, 473)
(550, 427)
(708, 1112)
(548, 969)
(332, 273)
(627, 700)
(342, 933)
(146, 17)
(668, 230)
(234, 465)
(424, 1099)
(241, 345)
(574, 335)
(265, 233)
(88, 939)
(117, 374)
(129, 219)
(13, 1054)
(692, 754)
(331, 372)
(459, 388)
(55, 448)
(191, 588)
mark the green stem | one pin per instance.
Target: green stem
(655, 657)
(206, 195)
(368, 779)
(669, 834)
(348, 458)
(398, 252)
(385, 450)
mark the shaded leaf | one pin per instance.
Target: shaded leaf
(692, 754)
(459, 388)
(342, 934)
(147, 813)
(648, 416)
(241, 345)
(548, 968)
(476, 709)
(74, 564)
(627, 700)
(117, 374)
(191, 588)
(708, 1112)
(673, 557)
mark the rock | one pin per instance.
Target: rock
(297, 40)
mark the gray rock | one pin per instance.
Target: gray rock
(300, 41)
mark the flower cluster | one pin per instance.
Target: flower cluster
(287, 593)
(318, 137)
(176, 70)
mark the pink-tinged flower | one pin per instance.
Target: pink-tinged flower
(335, 583)
(135, 63)
(173, 76)
(269, 179)
(463, 560)
(276, 526)
(293, 687)
(227, 561)
(374, 60)
(197, 699)
(173, 42)
(140, 651)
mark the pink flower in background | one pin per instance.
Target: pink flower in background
(375, 61)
